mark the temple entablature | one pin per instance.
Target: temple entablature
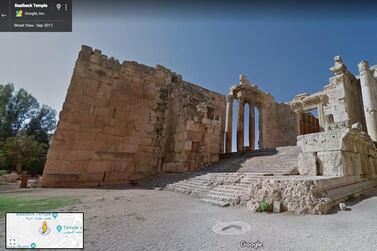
(249, 93)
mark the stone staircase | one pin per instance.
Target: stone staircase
(279, 161)
(226, 183)
(194, 183)
(220, 189)
(226, 195)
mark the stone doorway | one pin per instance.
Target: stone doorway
(309, 122)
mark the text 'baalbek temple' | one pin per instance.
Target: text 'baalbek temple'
(127, 123)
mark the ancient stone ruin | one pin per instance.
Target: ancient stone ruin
(129, 122)
(277, 125)
(124, 122)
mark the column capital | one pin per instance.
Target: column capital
(241, 98)
(230, 98)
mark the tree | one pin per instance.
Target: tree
(21, 114)
(16, 110)
(42, 124)
(22, 150)
(2, 159)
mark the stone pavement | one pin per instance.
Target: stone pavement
(143, 219)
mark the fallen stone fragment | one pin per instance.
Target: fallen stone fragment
(342, 206)
(277, 207)
(9, 178)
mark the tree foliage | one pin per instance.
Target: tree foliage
(22, 150)
(24, 124)
(17, 108)
(42, 124)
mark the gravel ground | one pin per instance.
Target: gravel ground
(145, 219)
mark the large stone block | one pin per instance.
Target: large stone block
(332, 163)
(323, 141)
(307, 164)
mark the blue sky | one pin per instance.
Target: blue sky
(284, 53)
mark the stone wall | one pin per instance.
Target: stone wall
(195, 121)
(123, 122)
(340, 151)
(344, 99)
(286, 126)
(279, 126)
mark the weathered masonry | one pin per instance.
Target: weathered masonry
(276, 121)
(347, 116)
(347, 107)
(123, 122)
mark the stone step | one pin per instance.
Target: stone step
(244, 184)
(182, 190)
(230, 189)
(258, 174)
(198, 180)
(189, 186)
(221, 193)
(215, 202)
(223, 197)
(247, 182)
(226, 191)
(187, 190)
(342, 192)
(234, 186)
(235, 181)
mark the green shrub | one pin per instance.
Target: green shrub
(264, 206)
(2, 172)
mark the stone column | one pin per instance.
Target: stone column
(304, 123)
(321, 118)
(369, 93)
(260, 128)
(317, 128)
(302, 126)
(311, 123)
(229, 124)
(240, 125)
(299, 121)
(251, 127)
